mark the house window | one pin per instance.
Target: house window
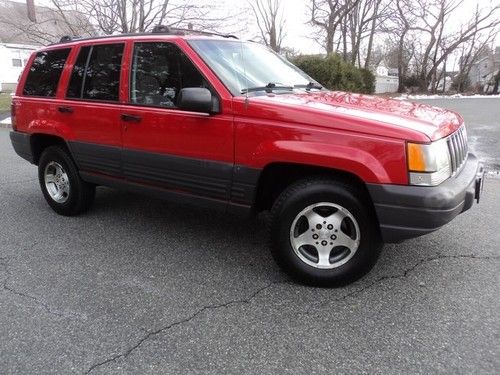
(17, 62)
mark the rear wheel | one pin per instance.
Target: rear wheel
(323, 232)
(63, 189)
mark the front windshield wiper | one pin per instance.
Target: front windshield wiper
(267, 88)
(309, 86)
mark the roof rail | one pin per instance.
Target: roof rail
(181, 31)
(69, 38)
(158, 29)
(161, 29)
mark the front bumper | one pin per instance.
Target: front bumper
(410, 211)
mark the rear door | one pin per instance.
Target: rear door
(164, 146)
(92, 108)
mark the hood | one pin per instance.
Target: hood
(433, 122)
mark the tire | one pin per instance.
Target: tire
(63, 189)
(340, 245)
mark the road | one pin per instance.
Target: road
(140, 286)
(482, 117)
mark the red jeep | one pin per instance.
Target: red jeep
(225, 123)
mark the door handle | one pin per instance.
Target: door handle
(65, 109)
(131, 118)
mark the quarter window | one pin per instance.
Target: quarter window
(45, 71)
(159, 71)
(96, 73)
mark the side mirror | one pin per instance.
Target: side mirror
(197, 99)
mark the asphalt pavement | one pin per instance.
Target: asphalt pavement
(141, 286)
(482, 118)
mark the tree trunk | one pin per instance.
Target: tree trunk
(401, 87)
(370, 38)
(329, 43)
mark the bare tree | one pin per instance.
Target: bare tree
(469, 53)
(92, 17)
(403, 24)
(428, 21)
(41, 25)
(328, 16)
(270, 21)
(482, 21)
(361, 23)
(130, 16)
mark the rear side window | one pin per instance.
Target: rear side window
(43, 76)
(96, 73)
(75, 83)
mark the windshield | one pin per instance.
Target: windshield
(250, 67)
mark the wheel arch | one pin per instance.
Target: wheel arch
(277, 176)
(40, 141)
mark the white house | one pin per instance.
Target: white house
(386, 80)
(20, 36)
(13, 58)
(485, 67)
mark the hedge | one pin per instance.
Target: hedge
(336, 74)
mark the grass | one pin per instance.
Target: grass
(4, 103)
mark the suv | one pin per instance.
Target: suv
(225, 123)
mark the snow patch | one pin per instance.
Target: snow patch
(493, 174)
(6, 121)
(455, 96)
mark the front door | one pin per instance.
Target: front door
(163, 146)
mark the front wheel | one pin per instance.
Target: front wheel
(63, 189)
(323, 232)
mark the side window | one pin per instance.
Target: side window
(43, 76)
(76, 81)
(159, 71)
(96, 73)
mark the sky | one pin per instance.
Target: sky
(294, 12)
(296, 17)
(298, 31)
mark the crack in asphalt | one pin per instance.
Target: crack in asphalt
(183, 321)
(379, 280)
(4, 263)
(403, 275)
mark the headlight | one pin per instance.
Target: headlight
(429, 165)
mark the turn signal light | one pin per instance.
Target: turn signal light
(416, 158)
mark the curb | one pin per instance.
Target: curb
(5, 126)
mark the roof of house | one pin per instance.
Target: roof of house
(50, 25)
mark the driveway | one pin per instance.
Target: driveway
(140, 286)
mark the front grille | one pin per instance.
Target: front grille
(457, 145)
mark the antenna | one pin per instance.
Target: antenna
(244, 72)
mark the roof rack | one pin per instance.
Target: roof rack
(69, 38)
(180, 31)
(159, 29)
